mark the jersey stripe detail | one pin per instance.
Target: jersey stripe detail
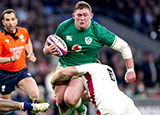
(91, 90)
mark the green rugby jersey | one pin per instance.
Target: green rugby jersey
(83, 46)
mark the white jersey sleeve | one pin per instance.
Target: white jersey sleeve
(81, 69)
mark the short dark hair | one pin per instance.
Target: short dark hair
(7, 11)
(81, 5)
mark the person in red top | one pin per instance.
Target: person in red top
(14, 41)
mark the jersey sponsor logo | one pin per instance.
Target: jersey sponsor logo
(7, 41)
(3, 87)
(88, 40)
(20, 48)
(21, 37)
(77, 48)
(69, 37)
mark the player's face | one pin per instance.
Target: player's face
(82, 18)
(10, 22)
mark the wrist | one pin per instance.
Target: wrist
(27, 106)
(31, 54)
(130, 69)
(21, 106)
(10, 59)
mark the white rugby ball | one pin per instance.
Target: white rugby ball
(59, 42)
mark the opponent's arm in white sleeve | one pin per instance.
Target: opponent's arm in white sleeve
(59, 74)
(123, 47)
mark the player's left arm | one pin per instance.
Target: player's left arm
(123, 47)
(59, 74)
(29, 49)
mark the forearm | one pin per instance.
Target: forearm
(122, 46)
(129, 63)
(5, 60)
(55, 78)
(29, 48)
(7, 105)
(58, 75)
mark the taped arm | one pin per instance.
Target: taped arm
(123, 47)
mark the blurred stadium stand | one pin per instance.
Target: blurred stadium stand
(137, 40)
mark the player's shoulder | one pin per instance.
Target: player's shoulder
(98, 27)
(22, 29)
(66, 23)
(2, 34)
(102, 32)
(2, 31)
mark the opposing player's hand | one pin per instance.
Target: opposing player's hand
(53, 79)
(130, 76)
(53, 82)
(31, 57)
(16, 56)
(51, 49)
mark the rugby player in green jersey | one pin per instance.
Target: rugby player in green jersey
(84, 38)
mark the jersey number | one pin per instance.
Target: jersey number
(111, 74)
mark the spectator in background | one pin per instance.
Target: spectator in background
(150, 70)
(137, 18)
(140, 89)
(158, 70)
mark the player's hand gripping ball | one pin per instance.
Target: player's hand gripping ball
(59, 42)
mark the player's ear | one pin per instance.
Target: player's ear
(16, 21)
(3, 22)
(73, 15)
(92, 15)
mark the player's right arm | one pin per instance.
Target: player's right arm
(113, 41)
(123, 47)
(52, 49)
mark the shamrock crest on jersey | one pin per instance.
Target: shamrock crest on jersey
(88, 40)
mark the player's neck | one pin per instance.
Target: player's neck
(9, 31)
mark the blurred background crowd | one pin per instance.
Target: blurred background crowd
(41, 17)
